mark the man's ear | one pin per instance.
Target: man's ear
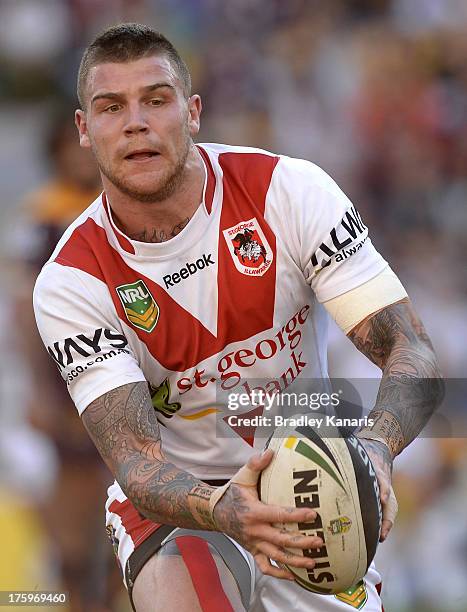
(81, 124)
(194, 109)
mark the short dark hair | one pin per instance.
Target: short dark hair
(127, 42)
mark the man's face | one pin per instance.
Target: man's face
(139, 124)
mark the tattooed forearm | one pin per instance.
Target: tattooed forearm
(411, 387)
(124, 427)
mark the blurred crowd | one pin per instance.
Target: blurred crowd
(373, 91)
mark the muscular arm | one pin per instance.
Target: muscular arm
(410, 391)
(411, 387)
(123, 425)
(124, 428)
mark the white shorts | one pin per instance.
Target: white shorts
(133, 538)
(273, 595)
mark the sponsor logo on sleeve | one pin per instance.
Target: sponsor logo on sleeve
(87, 350)
(141, 308)
(249, 248)
(64, 352)
(337, 245)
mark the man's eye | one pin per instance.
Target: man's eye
(156, 102)
(112, 109)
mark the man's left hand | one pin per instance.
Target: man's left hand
(382, 462)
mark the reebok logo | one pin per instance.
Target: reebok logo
(190, 268)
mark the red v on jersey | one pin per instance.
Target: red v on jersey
(245, 303)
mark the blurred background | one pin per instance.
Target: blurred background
(375, 92)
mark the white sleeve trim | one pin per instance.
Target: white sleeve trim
(352, 307)
(82, 401)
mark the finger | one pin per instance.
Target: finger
(384, 483)
(268, 513)
(265, 566)
(286, 556)
(385, 529)
(298, 540)
(384, 491)
(289, 539)
(248, 475)
(257, 463)
(391, 507)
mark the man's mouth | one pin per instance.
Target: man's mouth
(141, 155)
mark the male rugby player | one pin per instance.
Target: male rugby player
(204, 267)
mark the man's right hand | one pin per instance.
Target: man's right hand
(124, 427)
(240, 514)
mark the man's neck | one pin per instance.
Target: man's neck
(159, 221)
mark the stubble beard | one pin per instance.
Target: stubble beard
(164, 191)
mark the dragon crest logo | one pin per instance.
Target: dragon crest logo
(249, 248)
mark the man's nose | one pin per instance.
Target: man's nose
(136, 121)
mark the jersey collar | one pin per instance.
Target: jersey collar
(123, 241)
(210, 181)
(134, 247)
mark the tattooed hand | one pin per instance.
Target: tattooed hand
(240, 514)
(382, 462)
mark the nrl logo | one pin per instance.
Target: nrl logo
(141, 308)
(355, 596)
(249, 248)
(340, 525)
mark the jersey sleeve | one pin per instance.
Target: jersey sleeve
(81, 335)
(331, 241)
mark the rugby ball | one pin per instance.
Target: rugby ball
(334, 476)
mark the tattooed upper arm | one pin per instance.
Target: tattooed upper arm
(123, 423)
(396, 326)
(395, 337)
(411, 388)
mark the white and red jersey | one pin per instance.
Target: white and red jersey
(235, 296)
